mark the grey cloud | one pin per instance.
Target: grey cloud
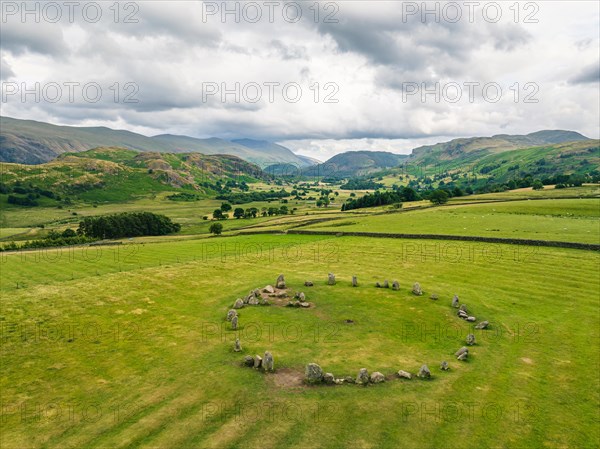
(589, 74)
(29, 37)
(5, 70)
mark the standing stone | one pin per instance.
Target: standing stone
(231, 314)
(424, 372)
(444, 366)
(396, 285)
(300, 297)
(257, 361)
(482, 325)
(434, 297)
(354, 281)
(269, 289)
(363, 377)
(404, 374)
(470, 339)
(386, 284)
(455, 301)
(245, 300)
(377, 285)
(253, 300)
(234, 322)
(417, 289)
(331, 279)
(463, 356)
(313, 373)
(249, 361)
(238, 304)
(463, 307)
(237, 347)
(308, 283)
(328, 378)
(268, 363)
(377, 377)
(463, 350)
(280, 283)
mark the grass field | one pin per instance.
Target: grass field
(133, 350)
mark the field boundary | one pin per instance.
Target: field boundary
(467, 238)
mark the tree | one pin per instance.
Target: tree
(537, 185)
(438, 197)
(216, 228)
(226, 207)
(238, 212)
(68, 233)
(218, 214)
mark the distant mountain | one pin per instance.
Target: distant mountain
(356, 163)
(468, 150)
(32, 142)
(266, 147)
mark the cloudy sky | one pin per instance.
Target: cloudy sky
(322, 79)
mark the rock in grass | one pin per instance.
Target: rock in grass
(280, 283)
(424, 372)
(269, 289)
(257, 361)
(234, 322)
(386, 284)
(237, 347)
(463, 307)
(463, 356)
(377, 377)
(417, 289)
(313, 373)
(331, 279)
(308, 283)
(470, 339)
(461, 351)
(256, 292)
(305, 305)
(328, 378)
(268, 363)
(434, 297)
(231, 314)
(339, 381)
(455, 301)
(238, 304)
(444, 366)
(354, 281)
(349, 380)
(300, 296)
(253, 300)
(377, 285)
(264, 302)
(404, 374)
(395, 285)
(482, 325)
(462, 314)
(471, 319)
(249, 361)
(363, 377)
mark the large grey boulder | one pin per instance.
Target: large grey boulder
(395, 285)
(257, 361)
(424, 372)
(363, 377)
(269, 289)
(313, 373)
(471, 319)
(253, 300)
(444, 366)
(404, 374)
(231, 314)
(328, 378)
(354, 281)
(455, 301)
(249, 361)
(482, 325)
(417, 289)
(300, 297)
(280, 283)
(470, 339)
(463, 356)
(268, 363)
(461, 351)
(234, 322)
(331, 279)
(377, 377)
(238, 304)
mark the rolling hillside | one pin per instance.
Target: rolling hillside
(31, 142)
(356, 163)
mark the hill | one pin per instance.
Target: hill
(356, 163)
(118, 174)
(32, 142)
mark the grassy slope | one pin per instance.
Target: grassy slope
(562, 219)
(160, 385)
